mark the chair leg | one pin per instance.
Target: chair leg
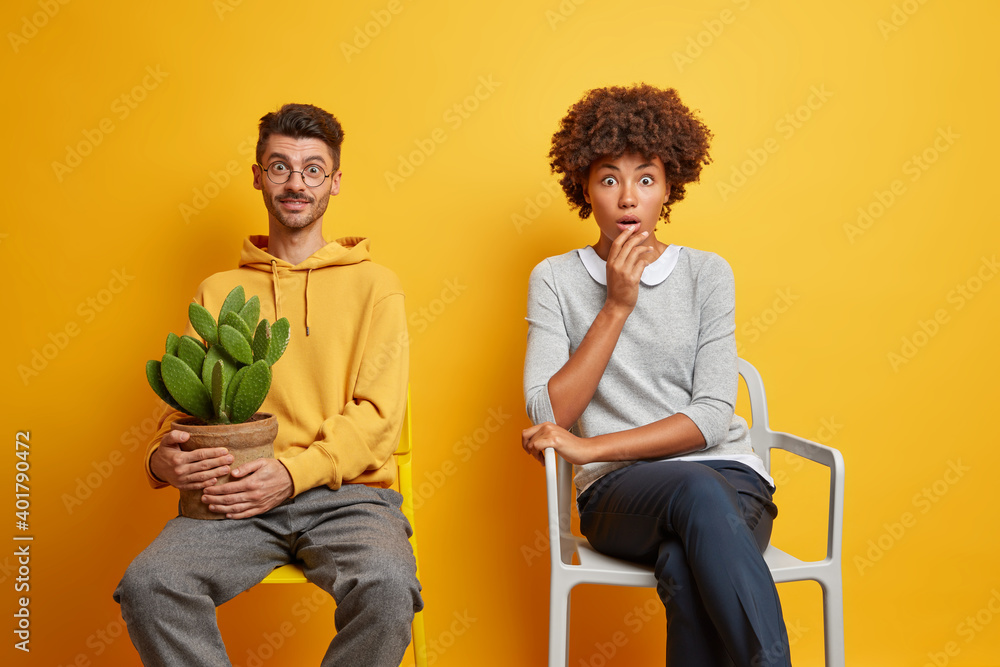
(833, 623)
(419, 640)
(559, 626)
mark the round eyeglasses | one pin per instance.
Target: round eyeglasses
(279, 173)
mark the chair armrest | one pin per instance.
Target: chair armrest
(808, 449)
(832, 459)
(552, 495)
(558, 490)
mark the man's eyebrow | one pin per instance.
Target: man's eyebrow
(608, 165)
(647, 165)
(282, 156)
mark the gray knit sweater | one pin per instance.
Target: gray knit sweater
(676, 353)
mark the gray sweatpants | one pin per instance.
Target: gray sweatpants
(352, 543)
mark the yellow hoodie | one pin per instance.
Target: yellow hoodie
(339, 391)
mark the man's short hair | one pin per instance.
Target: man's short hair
(302, 121)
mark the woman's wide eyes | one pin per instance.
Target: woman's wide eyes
(610, 180)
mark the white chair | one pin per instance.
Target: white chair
(596, 568)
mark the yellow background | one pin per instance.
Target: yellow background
(163, 96)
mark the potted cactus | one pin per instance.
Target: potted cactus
(221, 381)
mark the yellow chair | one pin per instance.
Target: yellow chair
(292, 574)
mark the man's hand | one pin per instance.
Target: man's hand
(572, 448)
(265, 484)
(189, 471)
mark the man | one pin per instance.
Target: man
(339, 397)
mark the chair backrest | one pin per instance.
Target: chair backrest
(560, 507)
(758, 411)
(404, 460)
(405, 442)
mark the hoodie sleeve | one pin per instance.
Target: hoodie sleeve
(167, 418)
(363, 437)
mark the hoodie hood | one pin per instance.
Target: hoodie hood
(348, 250)
(342, 252)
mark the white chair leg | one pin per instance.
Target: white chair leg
(833, 623)
(559, 626)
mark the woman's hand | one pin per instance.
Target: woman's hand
(626, 261)
(572, 448)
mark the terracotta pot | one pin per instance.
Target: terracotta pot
(250, 440)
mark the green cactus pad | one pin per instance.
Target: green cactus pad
(251, 392)
(233, 304)
(171, 346)
(251, 311)
(204, 348)
(216, 354)
(237, 322)
(186, 387)
(280, 333)
(203, 323)
(191, 352)
(235, 345)
(219, 392)
(261, 340)
(156, 382)
(234, 384)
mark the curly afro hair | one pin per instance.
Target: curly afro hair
(617, 120)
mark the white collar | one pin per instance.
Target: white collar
(652, 275)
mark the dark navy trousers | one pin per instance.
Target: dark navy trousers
(703, 525)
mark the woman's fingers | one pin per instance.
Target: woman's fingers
(626, 260)
(627, 239)
(529, 441)
(631, 256)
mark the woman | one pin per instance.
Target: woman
(630, 375)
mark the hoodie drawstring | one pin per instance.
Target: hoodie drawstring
(277, 297)
(308, 273)
(277, 293)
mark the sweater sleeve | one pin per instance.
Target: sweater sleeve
(548, 343)
(715, 377)
(365, 434)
